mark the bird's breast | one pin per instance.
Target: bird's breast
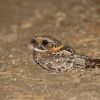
(60, 61)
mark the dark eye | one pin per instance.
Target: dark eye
(33, 41)
(45, 42)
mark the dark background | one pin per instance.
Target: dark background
(74, 22)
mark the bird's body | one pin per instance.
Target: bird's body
(52, 55)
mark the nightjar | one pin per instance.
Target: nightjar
(53, 55)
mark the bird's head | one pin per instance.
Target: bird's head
(46, 44)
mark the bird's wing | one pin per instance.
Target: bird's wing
(68, 48)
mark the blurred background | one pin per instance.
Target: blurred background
(74, 22)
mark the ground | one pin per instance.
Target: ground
(74, 22)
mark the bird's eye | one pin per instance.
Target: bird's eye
(45, 42)
(33, 41)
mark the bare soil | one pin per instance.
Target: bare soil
(74, 22)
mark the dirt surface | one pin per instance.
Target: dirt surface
(74, 22)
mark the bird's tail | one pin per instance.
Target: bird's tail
(93, 63)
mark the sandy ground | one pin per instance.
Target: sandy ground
(74, 22)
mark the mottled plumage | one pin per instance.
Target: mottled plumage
(52, 55)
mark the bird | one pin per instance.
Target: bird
(52, 55)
